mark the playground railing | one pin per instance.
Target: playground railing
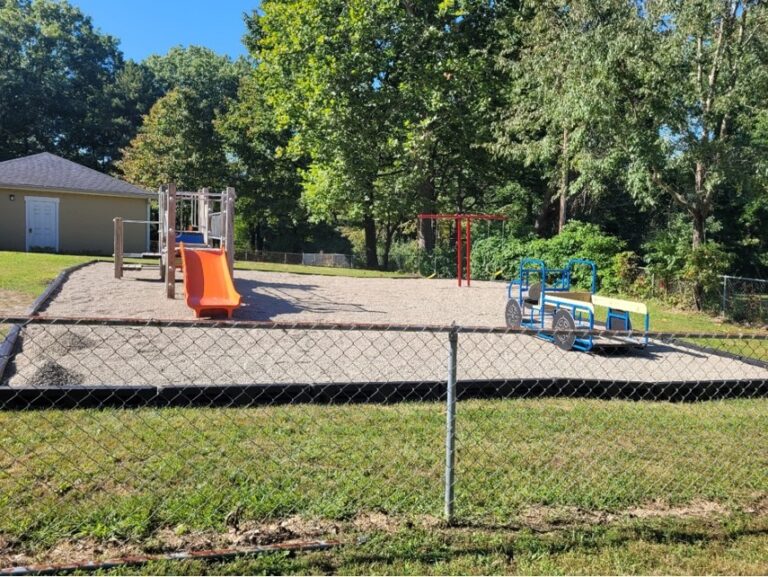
(164, 434)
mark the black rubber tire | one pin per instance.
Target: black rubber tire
(513, 314)
(563, 320)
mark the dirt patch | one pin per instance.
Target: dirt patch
(286, 531)
(72, 551)
(70, 341)
(52, 373)
(546, 518)
(296, 529)
(759, 507)
(376, 522)
(695, 509)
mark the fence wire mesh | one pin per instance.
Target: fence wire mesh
(745, 299)
(138, 430)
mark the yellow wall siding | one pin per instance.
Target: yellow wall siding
(85, 221)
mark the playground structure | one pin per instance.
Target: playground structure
(206, 228)
(193, 223)
(466, 254)
(545, 302)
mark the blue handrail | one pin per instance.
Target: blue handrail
(582, 261)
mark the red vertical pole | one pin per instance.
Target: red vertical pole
(458, 250)
(469, 242)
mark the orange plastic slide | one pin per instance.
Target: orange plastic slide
(208, 285)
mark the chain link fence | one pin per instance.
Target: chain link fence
(326, 259)
(739, 299)
(745, 299)
(154, 431)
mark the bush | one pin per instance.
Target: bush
(624, 274)
(688, 277)
(496, 257)
(409, 257)
(703, 268)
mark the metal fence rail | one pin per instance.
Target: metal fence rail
(134, 430)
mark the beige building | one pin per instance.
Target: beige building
(51, 204)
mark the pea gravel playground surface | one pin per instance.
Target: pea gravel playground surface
(164, 354)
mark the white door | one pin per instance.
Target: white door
(42, 223)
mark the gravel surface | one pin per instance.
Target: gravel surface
(269, 296)
(55, 355)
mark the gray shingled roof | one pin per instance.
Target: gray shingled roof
(48, 171)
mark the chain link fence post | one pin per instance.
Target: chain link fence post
(450, 423)
(725, 295)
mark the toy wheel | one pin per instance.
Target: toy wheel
(513, 314)
(563, 321)
(534, 294)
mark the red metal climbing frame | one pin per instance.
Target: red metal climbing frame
(459, 218)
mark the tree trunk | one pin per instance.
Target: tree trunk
(389, 236)
(698, 239)
(256, 236)
(564, 184)
(698, 209)
(371, 258)
(543, 223)
(429, 205)
(699, 229)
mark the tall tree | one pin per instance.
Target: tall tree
(57, 78)
(267, 179)
(178, 140)
(450, 93)
(390, 100)
(325, 69)
(706, 80)
(174, 145)
(565, 61)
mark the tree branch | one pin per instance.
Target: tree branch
(679, 198)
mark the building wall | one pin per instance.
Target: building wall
(85, 222)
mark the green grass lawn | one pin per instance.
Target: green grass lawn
(30, 273)
(127, 475)
(667, 319)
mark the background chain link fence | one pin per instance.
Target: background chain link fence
(152, 430)
(327, 259)
(745, 299)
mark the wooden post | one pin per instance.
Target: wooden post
(229, 236)
(161, 229)
(170, 241)
(202, 215)
(118, 250)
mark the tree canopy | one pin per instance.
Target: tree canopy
(645, 118)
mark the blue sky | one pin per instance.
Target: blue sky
(147, 27)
